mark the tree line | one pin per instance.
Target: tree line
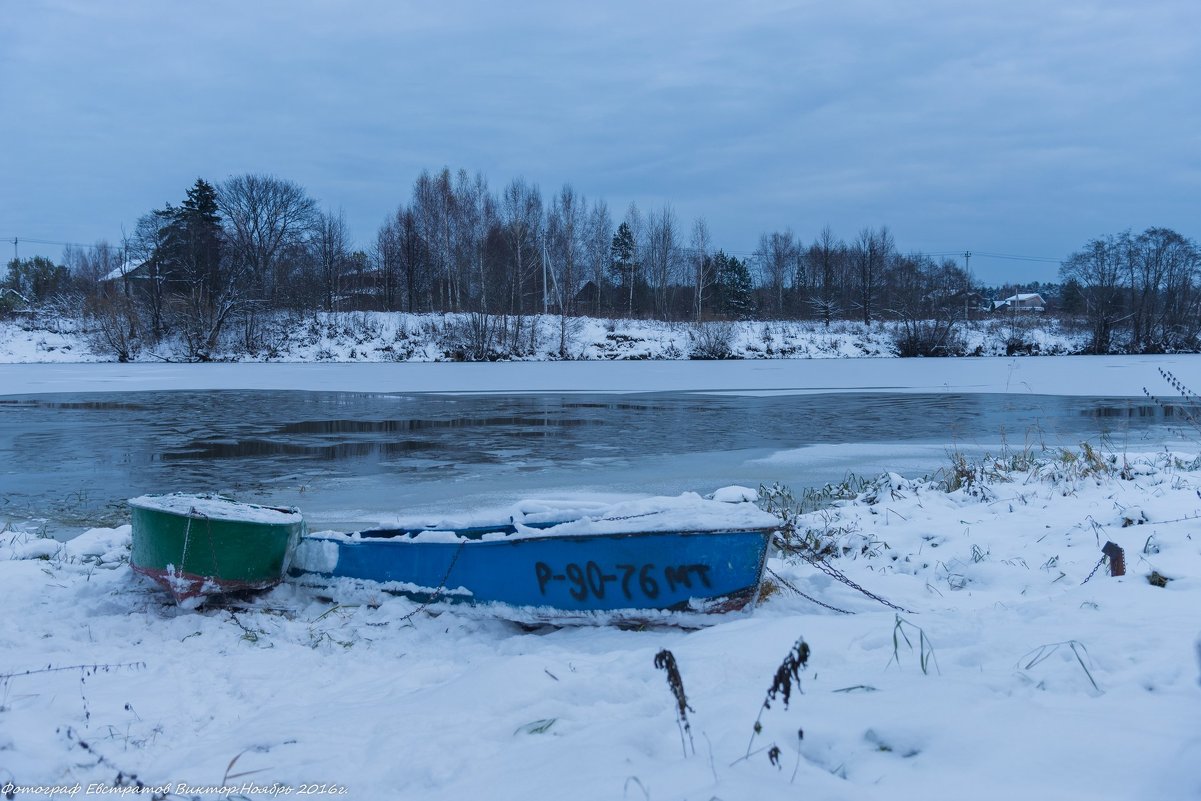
(1138, 293)
(228, 253)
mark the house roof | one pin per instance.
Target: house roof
(7, 291)
(122, 271)
(1025, 300)
(1024, 297)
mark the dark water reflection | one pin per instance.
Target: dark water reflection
(74, 458)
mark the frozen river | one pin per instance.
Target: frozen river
(69, 459)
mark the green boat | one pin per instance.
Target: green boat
(196, 545)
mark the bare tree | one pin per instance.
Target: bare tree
(662, 257)
(109, 305)
(265, 217)
(434, 207)
(331, 247)
(1180, 319)
(414, 256)
(385, 254)
(565, 228)
(1097, 271)
(521, 223)
(147, 246)
(90, 265)
(777, 255)
(403, 259)
(872, 255)
(114, 319)
(598, 240)
(474, 215)
(702, 265)
(1162, 268)
(927, 298)
(827, 258)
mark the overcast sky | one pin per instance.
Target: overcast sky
(1021, 127)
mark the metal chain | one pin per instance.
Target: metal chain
(441, 585)
(809, 598)
(629, 517)
(834, 573)
(1097, 567)
(602, 519)
(187, 537)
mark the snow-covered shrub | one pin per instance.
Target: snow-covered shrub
(806, 530)
(712, 341)
(473, 338)
(477, 337)
(927, 338)
(115, 326)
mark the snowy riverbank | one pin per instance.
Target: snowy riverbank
(1020, 678)
(410, 353)
(398, 337)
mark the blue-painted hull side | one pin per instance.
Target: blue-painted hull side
(710, 571)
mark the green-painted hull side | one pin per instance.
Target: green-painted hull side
(225, 552)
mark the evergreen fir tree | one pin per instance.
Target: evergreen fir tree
(733, 287)
(622, 252)
(197, 223)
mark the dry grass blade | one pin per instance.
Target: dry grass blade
(537, 726)
(230, 766)
(1044, 652)
(926, 655)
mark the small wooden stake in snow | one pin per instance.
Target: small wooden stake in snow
(1117, 559)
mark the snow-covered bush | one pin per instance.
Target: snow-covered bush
(927, 338)
(712, 341)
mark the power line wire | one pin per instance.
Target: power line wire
(1048, 259)
(32, 241)
(1009, 256)
(740, 253)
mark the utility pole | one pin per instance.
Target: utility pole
(545, 258)
(967, 268)
(16, 255)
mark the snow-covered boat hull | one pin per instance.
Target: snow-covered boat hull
(196, 545)
(569, 575)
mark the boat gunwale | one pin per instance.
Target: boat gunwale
(412, 536)
(288, 515)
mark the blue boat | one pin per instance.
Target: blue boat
(688, 556)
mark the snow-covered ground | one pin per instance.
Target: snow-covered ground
(1011, 674)
(1007, 675)
(369, 352)
(397, 337)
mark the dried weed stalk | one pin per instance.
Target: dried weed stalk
(788, 673)
(665, 660)
(1189, 405)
